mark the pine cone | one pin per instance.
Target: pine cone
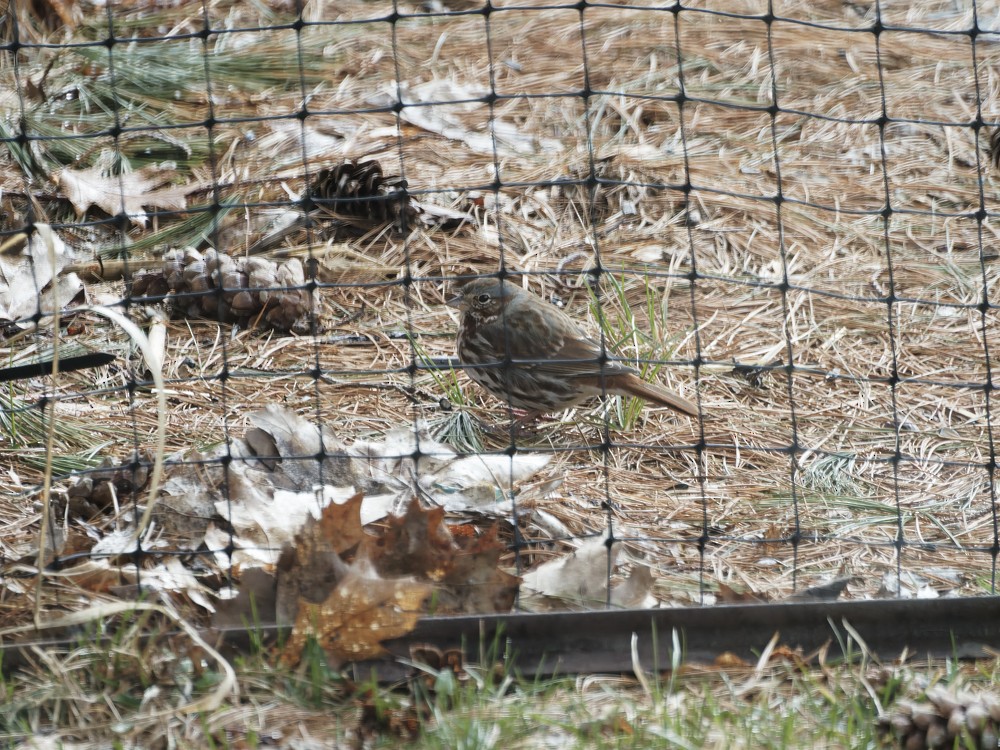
(942, 718)
(98, 490)
(231, 290)
(360, 192)
(351, 196)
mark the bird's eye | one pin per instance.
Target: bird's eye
(483, 299)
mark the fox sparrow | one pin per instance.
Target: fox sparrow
(533, 356)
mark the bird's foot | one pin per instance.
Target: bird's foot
(523, 424)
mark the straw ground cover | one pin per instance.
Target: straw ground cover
(805, 283)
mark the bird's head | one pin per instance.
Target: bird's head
(484, 299)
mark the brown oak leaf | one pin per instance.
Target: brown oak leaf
(126, 193)
(416, 543)
(465, 570)
(308, 568)
(363, 610)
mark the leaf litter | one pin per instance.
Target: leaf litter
(745, 505)
(349, 548)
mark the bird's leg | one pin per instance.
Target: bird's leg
(522, 424)
(525, 417)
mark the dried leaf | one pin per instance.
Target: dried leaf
(296, 438)
(309, 565)
(479, 481)
(729, 660)
(26, 278)
(187, 502)
(580, 577)
(467, 573)
(636, 591)
(268, 519)
(96, 575)
(340, 524)
(787, 653)
(170, 575)
(475, 583)
(126, 193)
(254, 604)
(729, 595)
(362, 611)
(417, 543)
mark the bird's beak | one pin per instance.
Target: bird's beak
(455, 301)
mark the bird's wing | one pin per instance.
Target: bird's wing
(551, 343)
(580, 356)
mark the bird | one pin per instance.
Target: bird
(536, 358)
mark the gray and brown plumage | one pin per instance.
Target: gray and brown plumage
(533, 356)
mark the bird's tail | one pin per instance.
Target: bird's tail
(636, 386)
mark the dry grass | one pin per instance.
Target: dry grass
(796, 480)
(804, 284)
(841, 491)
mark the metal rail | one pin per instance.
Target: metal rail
(588, 642)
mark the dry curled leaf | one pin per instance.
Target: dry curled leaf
(416, 543)
(580, 577)
(728, 595)
(361, 612)
(125, 193)
(30, 283)
(474, 583)
(340, 524)
(729, 660)
(310, 566)
(466, 571)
